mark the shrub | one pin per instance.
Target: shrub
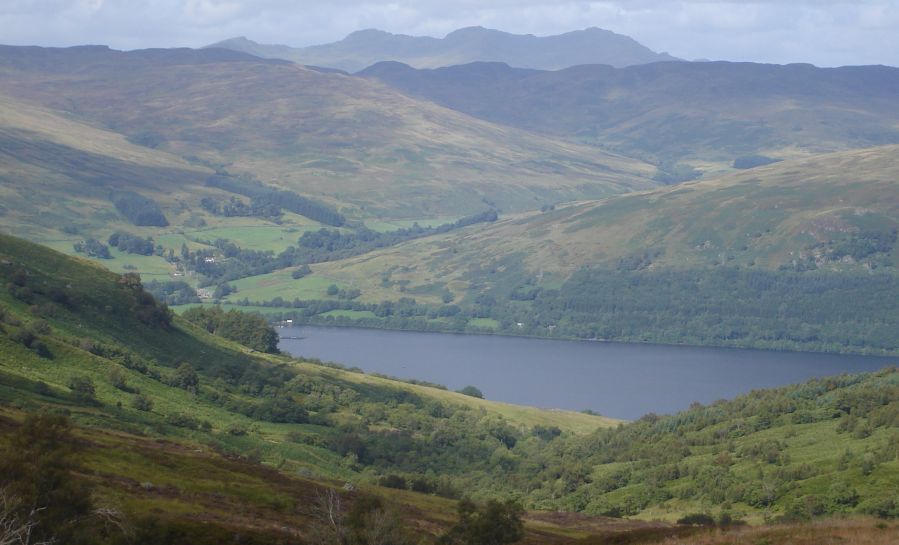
(300, 272)
(471, 391)
(83, 388)
(182, 420)
(41, 349)
(392, 481)
(237, 430)
(39, 327)
(697, 519)
(142, 402)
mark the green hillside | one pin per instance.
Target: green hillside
(351, 143)
(797, 255)
(160, 401)
(77, 338)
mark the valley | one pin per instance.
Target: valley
(93, 344)
(229, 275)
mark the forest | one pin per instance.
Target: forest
(787, 310)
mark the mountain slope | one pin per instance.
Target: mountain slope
(163, 402)
(366, 47)
(58, 173)
(807, 237)
(347, 141)
(704, 112)
(77, 338)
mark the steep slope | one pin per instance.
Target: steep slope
(347, 141)
(703, 112)
(781, 236)
(366, 47)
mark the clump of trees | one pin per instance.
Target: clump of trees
(132, 244)
(495, 523)
(175, 292)
(92, 248)
(144, 307)
(230, 208)
(332, 244)
(248, 329)
(367, 521)
(267, 201)
(137, 209)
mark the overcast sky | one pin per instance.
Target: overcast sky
(823, 32)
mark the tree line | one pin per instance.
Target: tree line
(265, 199)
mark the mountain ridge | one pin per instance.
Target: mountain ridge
(667, 112)
(363, 48)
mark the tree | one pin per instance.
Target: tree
(472, 391)
(497, 523)
(186, 378)
(248, 329)
(300, 272)
(142, 402)
(367, 522)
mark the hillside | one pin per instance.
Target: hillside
(815, 235)
(350, 143)
(706, 114)
(366, 47)
(147, 387)
(174, 423)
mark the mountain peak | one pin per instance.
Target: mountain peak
(367, 34)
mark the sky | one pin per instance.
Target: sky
(822, 32)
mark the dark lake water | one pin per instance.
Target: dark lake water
(613, 379)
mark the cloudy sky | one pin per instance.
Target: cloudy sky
(823, 32)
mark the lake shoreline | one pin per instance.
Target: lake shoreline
(299, 323)
(624, 380)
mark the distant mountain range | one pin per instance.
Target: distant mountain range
(663, 112)
(366, 47)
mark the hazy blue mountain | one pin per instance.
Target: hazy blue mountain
(366, 47)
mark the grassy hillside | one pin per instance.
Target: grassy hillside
(818, 233)
(706, 114)
(349, 142)
(779, 215)
(161, 401)
(65, 318)
(58, 177)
